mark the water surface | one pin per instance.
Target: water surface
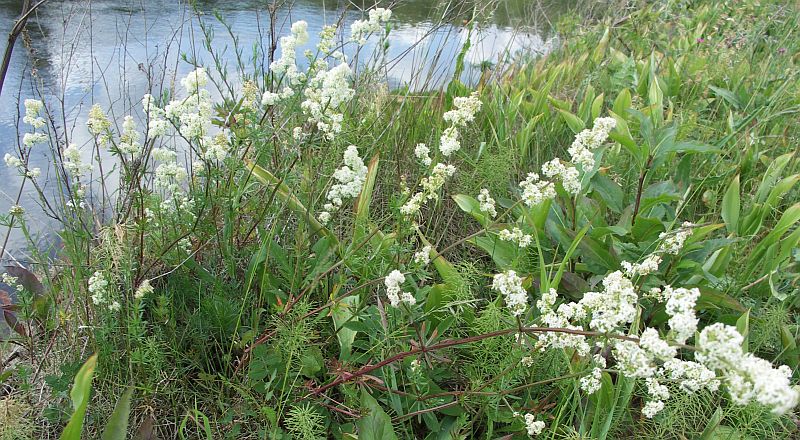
(113, 51)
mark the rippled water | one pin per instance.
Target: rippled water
(113, 51)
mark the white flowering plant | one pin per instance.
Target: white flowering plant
(312, 255)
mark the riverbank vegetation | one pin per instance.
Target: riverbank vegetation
(600, 243)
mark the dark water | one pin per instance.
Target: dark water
(114, 51)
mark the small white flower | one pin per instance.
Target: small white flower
(533, 426)
(143, 290)
(487, 203)
(510, 286)
(517, 236)
(423, 257)
(421, 152)
(394, 291)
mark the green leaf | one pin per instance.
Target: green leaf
(686, 147)
(712, 425)
(472, 207)
(743, 327)
(376, 425)
(361, 207)
(609, 191)
(502, 252)
(80, 394)
(117, 426)
(731, 206)
(285, 194)
(450, 275)
(728, 96)
(713, 299)
(623, 102)
(575, 123)
(343, 312)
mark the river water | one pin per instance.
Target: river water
(113, 51)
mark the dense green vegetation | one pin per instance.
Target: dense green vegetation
(265, 321)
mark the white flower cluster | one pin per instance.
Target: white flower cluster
(219, 146)
(747, 377)
(647, 266)
(673, 242)
(613, 307)
(31, 139)
(324, 94)
(465, 108)
(129, 138)
(533, 426)
(12, 282)
(423, 256)
(143, 290)
(654, 359)
(509, 284)
(569, 176)
(98, 288)
(487, 203)
(361, 29)
(593, 381)
(192, 114)
(680, 308)
(535, 191)
(430, 188)
(561, 318)
(350, 177)
(394, 292)
(582, 149)
(98, 124)
(287, 64)
(516, 235)
(464, 111)
(13, 161)
(17, 163)
(170, 176)
(33, 108)
(422, 152)
(73, 164)
(156, 124)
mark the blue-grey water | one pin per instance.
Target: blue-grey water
(76, 53)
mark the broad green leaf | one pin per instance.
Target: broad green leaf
(117, 426)
(575, 123)
(597, 106)
(376, 425)
(731, 206)
(502, 252)
(342, 312)
(623, 102)
(787, 221)
(80, 394)
(609, 191)
(714, 299)
(655, 95)
(472, 207)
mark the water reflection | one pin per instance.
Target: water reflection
(112, 52)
